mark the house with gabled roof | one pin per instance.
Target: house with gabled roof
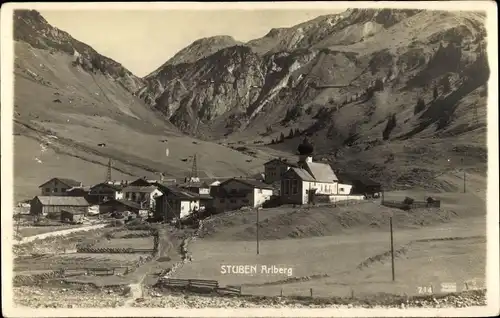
(275, 168)
(58, 186)
(302, 184)
(176, 202)
(43, 205)
(104, 191)
(144, 195)
(235, 193)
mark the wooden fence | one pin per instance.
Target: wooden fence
(198, 284)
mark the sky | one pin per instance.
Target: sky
(144, 40)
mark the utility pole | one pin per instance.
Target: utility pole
(18, 224)
(464, 180)
(257, 231)
(392, 250)
(108, 171)
(463, 168)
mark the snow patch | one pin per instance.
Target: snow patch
(368, 28)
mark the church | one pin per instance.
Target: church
(310, 180)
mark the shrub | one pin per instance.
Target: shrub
(408, 200)
(420, 106)
(391, 124)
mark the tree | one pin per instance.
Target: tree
(290, 134)
(297, 132)
(435, 93)
(282, 137)
(420, 106)
(273, 142)
(379, 85)
(391, 124)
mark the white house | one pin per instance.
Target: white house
(58, 186)
(236, 193)
(176, 203)
(144, 195)
(300, 185)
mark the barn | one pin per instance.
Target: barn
(43, 205)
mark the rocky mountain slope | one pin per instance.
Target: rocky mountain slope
(355, 78)
(74, 109)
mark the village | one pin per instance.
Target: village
(171, 200)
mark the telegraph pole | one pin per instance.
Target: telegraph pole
(463, 168)
(464, 180)
(392, 250)
(257, 231)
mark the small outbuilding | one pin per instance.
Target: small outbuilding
(72, 216)
(122, 205)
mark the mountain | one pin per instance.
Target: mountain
(352, 82)
(31, 28)
(75, 109)
(199, 49)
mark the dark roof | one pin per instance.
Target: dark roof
(145, 189)
(62, 200)
(66, 181)
(127, 203)
(200, 184)
(283, 161)
(250, 182)
(179, 192)
(346, 177)
(107, 185)
(140, 182)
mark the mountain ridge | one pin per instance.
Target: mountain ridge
(357, 102)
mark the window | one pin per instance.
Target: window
(286, 186)
(47, 190)
(55, 189)
(341, 189)
(222, 200)
(295, 186)
(232, 201)
(245, 201)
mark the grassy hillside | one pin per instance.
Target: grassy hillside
(82, 110)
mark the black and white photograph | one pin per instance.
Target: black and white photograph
(250, 159)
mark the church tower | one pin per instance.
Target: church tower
(305, 150)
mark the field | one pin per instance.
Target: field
(74, 261)
(35, 230)
(67, 297)
(345, 250)
(138, 243)
(338, 256)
